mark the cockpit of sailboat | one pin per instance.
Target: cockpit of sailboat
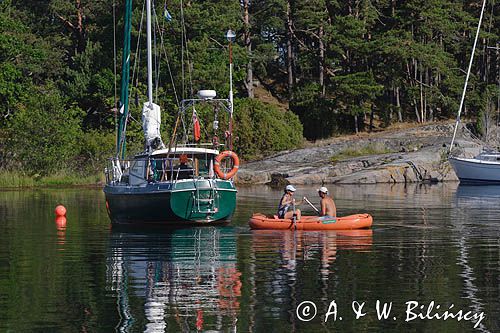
(166, 165)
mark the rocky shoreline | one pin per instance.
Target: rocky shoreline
(409, 156)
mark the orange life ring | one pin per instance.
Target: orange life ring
(218, 160)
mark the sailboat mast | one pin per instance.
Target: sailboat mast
(231, 37)
(123, 107)
(150, 56)
(468, 74)
(231, 94)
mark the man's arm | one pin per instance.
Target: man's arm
(323, 207)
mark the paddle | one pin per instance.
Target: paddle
(294, 216)
(310, 204)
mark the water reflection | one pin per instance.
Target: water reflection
(60, 222)
(478, 196)
(284, 266)
(186, 278)
(309, 246)
(470, 288)
(429, 243)
(478, 203)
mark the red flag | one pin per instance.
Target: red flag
(196, 127)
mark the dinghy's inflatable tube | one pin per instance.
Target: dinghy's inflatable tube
(233, 171)
(357, 221)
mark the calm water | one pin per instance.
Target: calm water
(429, 243)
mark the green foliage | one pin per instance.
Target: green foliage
(45, 135)
(331, 60)
(315, 112)
(96, 147)
(262, 129)
(369, 149)
(15, 179)
(356, 92)
(25, 59)
(69, 178)
(64, 178)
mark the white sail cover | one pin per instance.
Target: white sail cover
(151, 121)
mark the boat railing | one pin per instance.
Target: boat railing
(204, 144)
(139, 171)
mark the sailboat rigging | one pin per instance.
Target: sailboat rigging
(179, 183)
(485, 167)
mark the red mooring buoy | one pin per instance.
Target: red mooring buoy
(61, 222)
(60, 210)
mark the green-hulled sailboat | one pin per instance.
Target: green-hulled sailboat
(181, 183)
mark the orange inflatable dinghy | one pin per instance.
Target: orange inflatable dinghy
(357, 221)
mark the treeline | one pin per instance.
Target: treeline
(342, 66)
(343, 63)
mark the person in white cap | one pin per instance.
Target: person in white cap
(328, 209)
(287, 203)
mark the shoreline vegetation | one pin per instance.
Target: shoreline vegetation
(366, 150)
(18, 180)
(419, 147)
(302, 69)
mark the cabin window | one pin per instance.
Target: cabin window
(137, 172)
(203, 165)
(180, 167)
(183, 168)
(159, 169)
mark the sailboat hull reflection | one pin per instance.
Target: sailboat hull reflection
(185, 278)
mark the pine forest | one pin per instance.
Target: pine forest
(304, 70)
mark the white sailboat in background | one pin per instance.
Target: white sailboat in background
(485, 167)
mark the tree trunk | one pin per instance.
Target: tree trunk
(498, 79)
(372, 114)
(78, 30)
(289, 23)
(321, 61)
(416, 110)
(398, 105)
(418, 74)
(248, 45)
(391, 96)
(356, 128)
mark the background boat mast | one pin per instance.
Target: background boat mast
(467, 76)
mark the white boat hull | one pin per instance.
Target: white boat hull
(473, 170)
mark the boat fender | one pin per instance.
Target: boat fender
(233, 171)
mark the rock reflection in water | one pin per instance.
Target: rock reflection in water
(186, 278)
